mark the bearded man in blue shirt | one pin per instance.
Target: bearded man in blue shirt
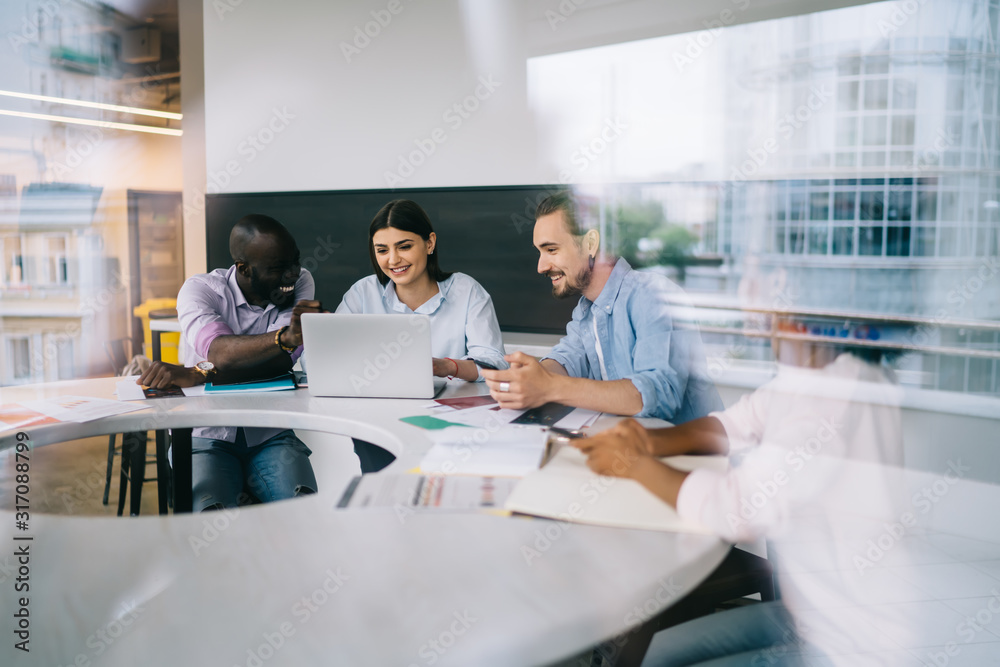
(622, 353)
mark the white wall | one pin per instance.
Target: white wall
(343, 124)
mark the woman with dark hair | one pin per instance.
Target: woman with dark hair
(408, 279)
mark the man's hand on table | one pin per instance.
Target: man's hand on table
(627, 450)
(526, 384)
(617, 451)
(161, 375)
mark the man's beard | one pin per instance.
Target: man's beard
(578, 286)
(269, 293)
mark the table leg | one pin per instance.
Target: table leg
(162, 470)
(180, 439)
(134, 447)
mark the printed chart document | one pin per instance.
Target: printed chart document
(566, 489)
(503, 451)
(80, 408)
(427, 492)
(13, 415)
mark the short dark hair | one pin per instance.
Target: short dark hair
(248, 228)
(407, 216)
(565, 202)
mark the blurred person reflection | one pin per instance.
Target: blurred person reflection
(814, 456)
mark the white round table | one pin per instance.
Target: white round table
(301, 583)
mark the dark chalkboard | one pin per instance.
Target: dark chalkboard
(482, 231)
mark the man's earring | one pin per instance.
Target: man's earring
(592, 262)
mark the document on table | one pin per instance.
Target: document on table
(426, 492)
(14, 415)
(503, 451)
(493, 415)
(487, 416)
(568, 490)
(579, 418)
(80, 408)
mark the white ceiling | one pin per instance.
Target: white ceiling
(600, 22)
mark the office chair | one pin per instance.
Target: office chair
(133, 449)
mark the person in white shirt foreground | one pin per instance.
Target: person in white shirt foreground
(820, 447)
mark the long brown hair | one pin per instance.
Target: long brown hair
(407, 216)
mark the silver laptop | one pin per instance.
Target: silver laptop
(369, 356)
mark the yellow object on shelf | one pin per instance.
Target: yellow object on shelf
(169, 341)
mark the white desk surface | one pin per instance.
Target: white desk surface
(170, 324)
(347, 587)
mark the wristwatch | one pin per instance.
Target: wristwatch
(206, 368)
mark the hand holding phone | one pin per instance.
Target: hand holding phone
(483, 364)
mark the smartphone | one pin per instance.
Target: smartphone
(483, 364)
(567, 433)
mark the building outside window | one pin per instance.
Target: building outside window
(852, 159)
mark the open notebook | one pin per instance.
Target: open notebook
(566, 489)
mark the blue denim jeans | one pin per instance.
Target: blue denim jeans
(754, 636)
(228, 474)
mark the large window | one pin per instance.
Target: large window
(861, 166)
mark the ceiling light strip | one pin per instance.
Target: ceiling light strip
(94, 105)
(94, 123)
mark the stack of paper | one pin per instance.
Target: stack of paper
(501, 451)
(566, 489)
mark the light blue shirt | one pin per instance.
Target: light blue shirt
(463, 322)
(628, 334)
